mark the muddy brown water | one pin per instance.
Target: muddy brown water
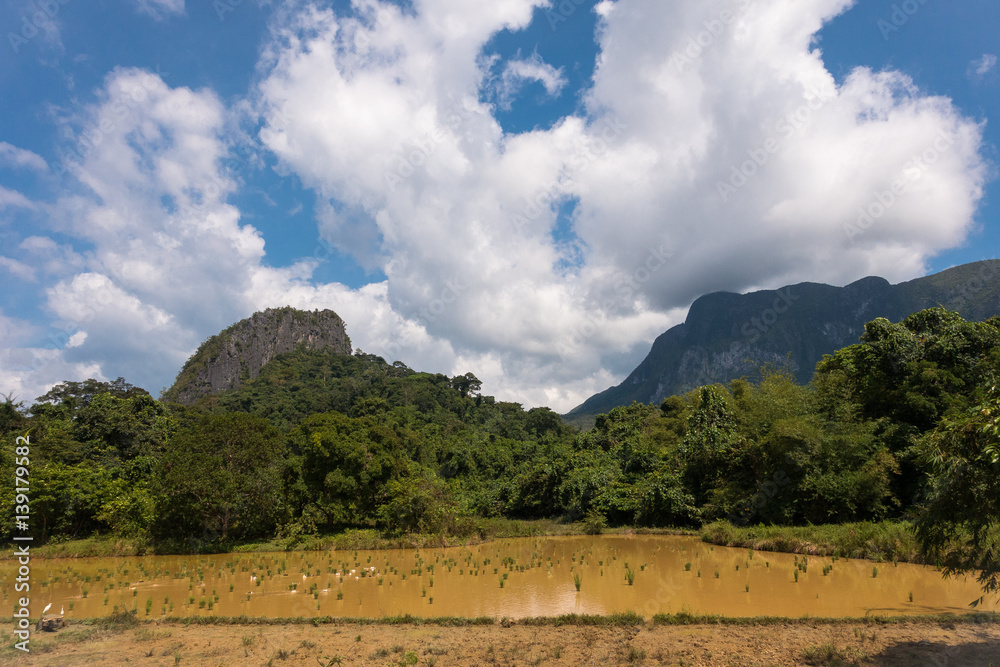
(514, 578)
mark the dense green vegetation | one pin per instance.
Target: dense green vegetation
(900, 426)
(881, 541)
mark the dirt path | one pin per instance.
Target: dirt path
(164, 644)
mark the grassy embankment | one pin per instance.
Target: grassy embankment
(880, 542)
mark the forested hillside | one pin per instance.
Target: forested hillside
(322, 441)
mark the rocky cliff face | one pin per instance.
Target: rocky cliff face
(237, 354)
(728, 336)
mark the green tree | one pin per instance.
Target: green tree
(12, 418)
(65, 499)
(711, 436)
(123, 428)
(662, 500)
(343, 465)
(467, 385)
(71, 396)
(418, 503)
(959, 522)
(127, 508)
(220, 479)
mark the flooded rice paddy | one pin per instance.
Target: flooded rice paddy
(515, 578)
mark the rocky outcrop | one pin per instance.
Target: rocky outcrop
(234, 356)
(728, 336)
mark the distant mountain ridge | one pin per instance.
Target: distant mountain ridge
(727, 336)
(236, 355)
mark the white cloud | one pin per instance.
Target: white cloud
(14, 198)
(702, 95)
(19, 270)
(982, 66)
(77, 339)
(53, 259)
(518, 73)
(31, 361)
(18, 157)
(604, 8)
(159, 9)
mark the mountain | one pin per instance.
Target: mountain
(237, 354)
(728, 336)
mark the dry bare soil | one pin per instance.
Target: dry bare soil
(793, 643)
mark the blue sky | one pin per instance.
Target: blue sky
(528, 190)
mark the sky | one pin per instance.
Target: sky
(530, 190)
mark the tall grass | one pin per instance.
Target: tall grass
(880, 542)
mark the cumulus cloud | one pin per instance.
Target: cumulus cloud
(745, 151)
(715, 151)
